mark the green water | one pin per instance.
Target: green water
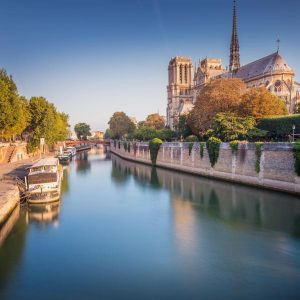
(126, 231)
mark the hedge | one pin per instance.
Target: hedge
(280, 127)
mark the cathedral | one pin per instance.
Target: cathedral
(186, 81)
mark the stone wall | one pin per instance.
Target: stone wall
(276, 163)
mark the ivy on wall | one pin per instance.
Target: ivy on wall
(191, 145)
(213, 148)
(154, 146)
(234, 145)
(297, 157)
(258, 152)
(202, 149)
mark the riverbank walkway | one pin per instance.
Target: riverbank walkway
(9, 191)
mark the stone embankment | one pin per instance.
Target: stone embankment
(273, 169)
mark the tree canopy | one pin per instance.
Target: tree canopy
(259, 103)
(120, 125)
(155, 121)
(14, 113)
(220, 95)
(82, 130)
(46, 122)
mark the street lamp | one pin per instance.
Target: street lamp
(294, 127)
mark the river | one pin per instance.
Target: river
(125, 231)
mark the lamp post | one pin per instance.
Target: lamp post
(294, 127)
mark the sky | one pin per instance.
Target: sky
(94, 57)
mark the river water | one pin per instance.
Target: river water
(126, 231)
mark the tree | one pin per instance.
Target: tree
(259, 103)
(120, 125)
(183, 129)
(108, 134)
(220, 95)
(14, 113)
(155, 121)
(46, 122)
(82, 130)
(228, 126)
(145, 133)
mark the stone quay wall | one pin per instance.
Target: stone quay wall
(276, 163)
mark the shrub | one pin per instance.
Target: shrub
(119, 144)
(128, 147)
(280, 127)
(125, 146)
(191, 145)
(115, 144)
(234, 146)
(191, 138)
(154, 146)
(202, 149)
(213, 148)
(258, 152)
(297, 157)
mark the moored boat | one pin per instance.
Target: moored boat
(44, 181)
(65, 157)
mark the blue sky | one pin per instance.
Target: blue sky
(94, 57)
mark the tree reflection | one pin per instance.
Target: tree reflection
(83, 166)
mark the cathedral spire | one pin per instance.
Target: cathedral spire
(234, 46)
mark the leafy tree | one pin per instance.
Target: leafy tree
(46, 122)
(155, 121)
(228, 126)
(145, 133)
(14, 114)
(120, 125)
(108, 134)
(82, 130)
(166, 134)
(183, 129)
(259, 103)
(220, 95)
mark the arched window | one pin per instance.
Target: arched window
(277, 86)
(180, 73)
(185, 74)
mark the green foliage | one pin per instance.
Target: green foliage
(202, 144)
(128, 147)
(108, 134)
(228, 126)
(192, 138)
(125, 145)
(119, 144)
(14, 112)
(213, 148)
(297, 157)
(46, 122)
(166, 134)
(120, 125)
(115, 144)
(82, 131)
(183, 129)
(258, 152)
(154, 146)
(191, 145)
(145, 133)
(280, 127)
(234, 146)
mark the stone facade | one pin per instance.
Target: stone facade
(272, 72)
(276, 163)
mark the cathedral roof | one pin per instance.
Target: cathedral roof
(269, 64)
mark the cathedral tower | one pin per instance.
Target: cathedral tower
(234, 47)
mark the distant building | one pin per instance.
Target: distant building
(186, 82)
(97, 135)
(134, 121)
(71, 134)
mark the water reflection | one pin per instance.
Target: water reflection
(233, 204)
(83, 165)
